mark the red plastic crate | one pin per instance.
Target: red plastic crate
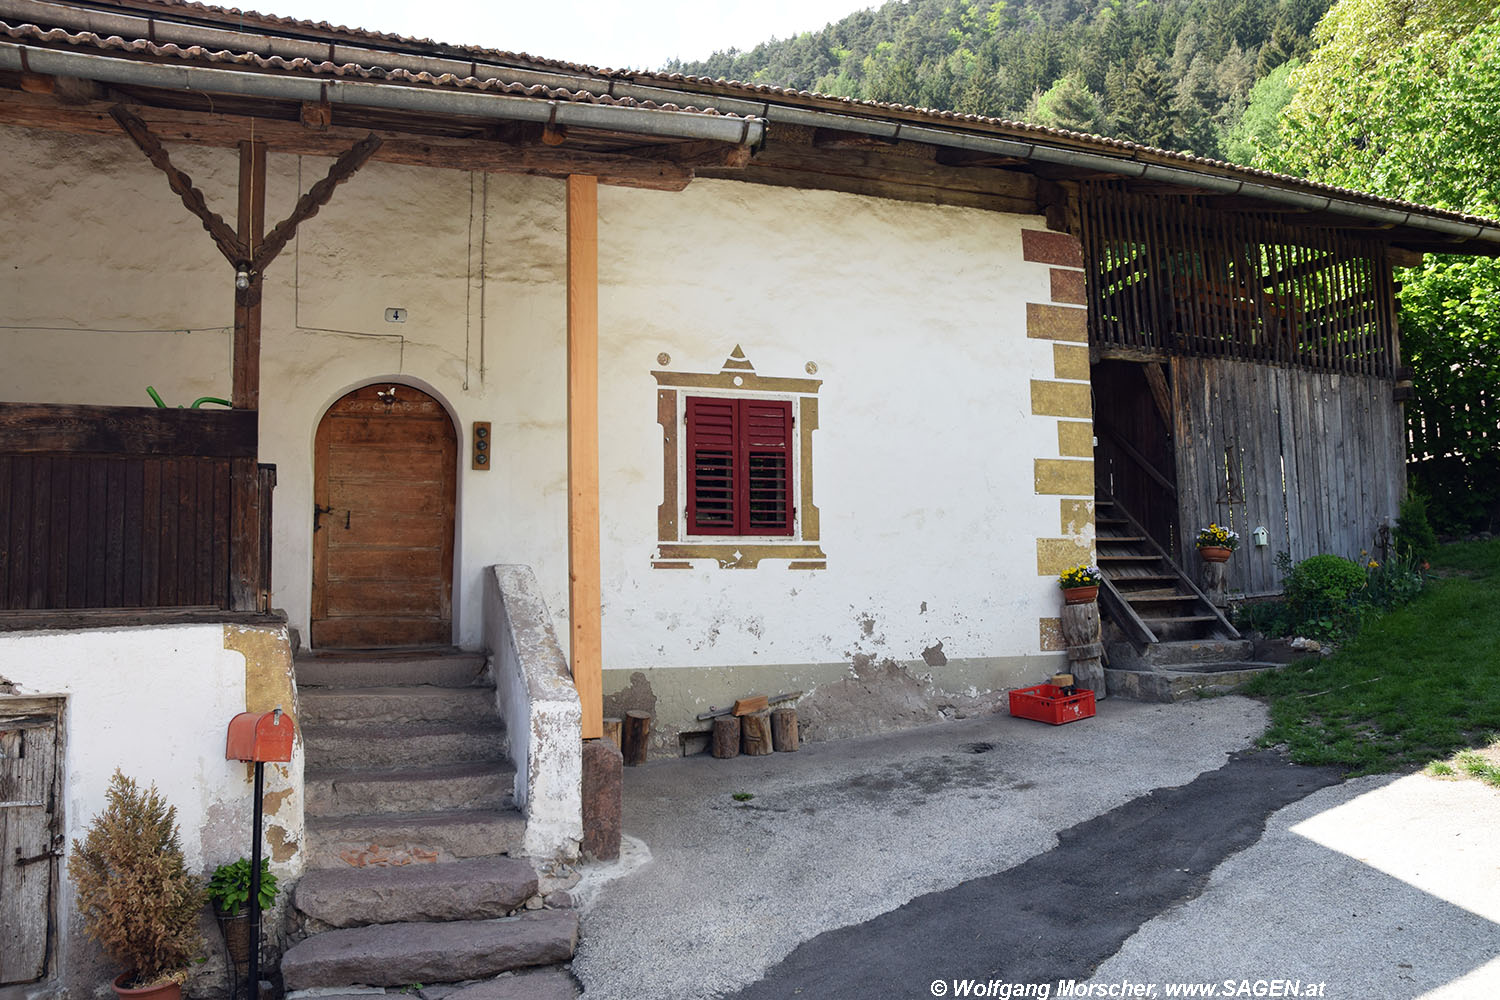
(1048, 703)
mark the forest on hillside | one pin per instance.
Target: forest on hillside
(1177, 74)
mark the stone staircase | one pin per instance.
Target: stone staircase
(411, 832)
(1190, 668)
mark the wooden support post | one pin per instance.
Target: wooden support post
(755, 734)
(784, 730)
(637, 729)
(612, 730)
(726, 739)
(245, 393)
(1080, 629)
(584, 596)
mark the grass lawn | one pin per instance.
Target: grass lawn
(1414, 687)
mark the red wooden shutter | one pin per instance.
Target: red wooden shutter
(711, 448)
(766, 456)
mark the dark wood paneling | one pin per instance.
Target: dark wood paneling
(126, 430)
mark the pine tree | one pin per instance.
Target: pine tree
(1145, 113)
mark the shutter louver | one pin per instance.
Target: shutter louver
(711, 443)
(739, 466)
(766, 435)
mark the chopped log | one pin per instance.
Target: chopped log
(1062, 680)
(755, 734)
(1092, 651)
(1080, 623)
(751, 704)
(612, 730)
(637, 728)
(1089, 674)
(726, 741)
(784, 730)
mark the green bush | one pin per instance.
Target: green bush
(1321, 597)
(1414, 535)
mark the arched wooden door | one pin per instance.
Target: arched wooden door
(384, 485)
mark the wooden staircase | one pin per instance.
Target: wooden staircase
(1148, 595)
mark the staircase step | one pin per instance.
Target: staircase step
(1178, 620)
(433, 788)
(418, 703)
(342, 745)
(405, 953)
(1184, 652)
(1128, 557)
(402, 838)
(347, 670)
(1119, 539)
(1130, 579)
(1181, 682)
(472, 889)
(1136, 598)
(532, 984)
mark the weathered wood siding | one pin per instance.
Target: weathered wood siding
(129, 507)
(1316, 458)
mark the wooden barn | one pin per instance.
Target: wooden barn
(503, 395)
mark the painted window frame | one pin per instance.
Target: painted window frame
(679, 546)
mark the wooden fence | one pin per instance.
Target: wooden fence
(1316, 458)
(128, 507)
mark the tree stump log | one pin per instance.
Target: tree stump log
(755, 734)
(612, 730)
(784, 729)
(1089, 673)
(1080, 623)
(1214, 583)
(726, 738)
(637, 730)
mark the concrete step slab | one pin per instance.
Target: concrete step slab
(532, 984)
(398, 839)
(434, 788)
(338, 745)
(1180, 682)
(443, 669)
(472, 889)
(382, 705)
(399, 954)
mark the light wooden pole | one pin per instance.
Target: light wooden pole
(583, 450)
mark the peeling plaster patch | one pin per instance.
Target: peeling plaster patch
(933, 655)
(755, 626)
(272, 801)
(866, 624)
(283, 848)
(226, 829)
(880, 696)
(7, 687)
(924, 607)
(638, 697)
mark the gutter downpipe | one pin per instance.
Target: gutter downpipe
(639, 121)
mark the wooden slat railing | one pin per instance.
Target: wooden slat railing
(131, 507)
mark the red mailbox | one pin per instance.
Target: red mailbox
(261, 737)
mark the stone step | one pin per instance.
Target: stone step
(434, 788)
(472, 889)
(1177, 683)
(530, 984)
(405, 953)
(343, 745)
(1166, 654)
(404, 838)
(378, 705)
(438, 669)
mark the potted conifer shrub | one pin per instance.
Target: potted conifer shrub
(134, 891)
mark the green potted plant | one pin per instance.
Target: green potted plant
(134, 891)
(1215, 543)
(1080, 585)
(229, 891)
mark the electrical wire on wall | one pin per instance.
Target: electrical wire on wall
(297, 300)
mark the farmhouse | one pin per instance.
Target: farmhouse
(502, 388)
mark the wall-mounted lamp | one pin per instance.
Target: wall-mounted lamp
(242, 279)
(1262, 537)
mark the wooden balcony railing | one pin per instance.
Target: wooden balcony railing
(130, 507)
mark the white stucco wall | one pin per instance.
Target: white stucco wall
(914, 315)
(154, 702)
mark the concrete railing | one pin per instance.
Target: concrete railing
(539, 703)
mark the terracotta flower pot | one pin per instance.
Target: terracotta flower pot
(1080, 595)
(1214, 553)
(162, 991)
